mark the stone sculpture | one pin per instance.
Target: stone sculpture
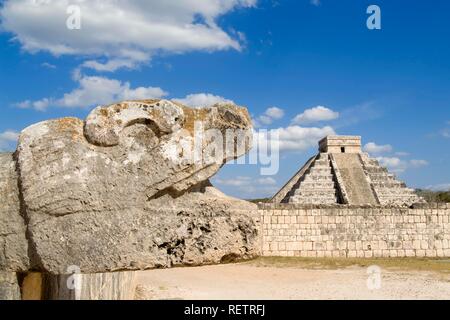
(126, 189)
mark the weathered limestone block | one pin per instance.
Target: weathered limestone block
(9, 287)
(96, 192)
(13, 243)
(200, 227)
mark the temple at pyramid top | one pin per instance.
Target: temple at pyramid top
(340, 144)
(342, 174)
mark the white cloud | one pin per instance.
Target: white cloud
(418, 163)
(248, 187)
(363, 112)
(110, 65)
(9, 135)
(393, 162)
(398, 165)
(95, 91)
(7, 139)
(373, 148)
(294, 138)
(269, 116)
(202, 100)
(234, 182)
(316, 114)
(439, 187)
(267, 181)
(445, 133)
(275, 113)
(241, 181)
(263, 119)
(315, 2)
(40, 105)
(402, 154)
(125, 33)
(48, 65)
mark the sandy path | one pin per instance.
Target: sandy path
(243, 281)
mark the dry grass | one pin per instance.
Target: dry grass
(404, 264)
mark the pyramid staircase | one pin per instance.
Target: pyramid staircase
(388, 189)
(317, 185)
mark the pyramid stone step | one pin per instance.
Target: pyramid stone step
(323, 155)
(371, 162)
(382, 177)
(321, 184)
(397, 196)
(322, 177)
(375, 169)
(388, 184)
(322, 163)
(392, 191)
(313, 200)
(382, 174)
(320, 170)
(316, 199)
(315, 193)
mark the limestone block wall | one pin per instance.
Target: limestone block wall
(355, 231)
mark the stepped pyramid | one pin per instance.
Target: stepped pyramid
(342, 174)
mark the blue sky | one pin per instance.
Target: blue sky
(391, 86)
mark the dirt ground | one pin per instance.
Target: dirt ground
(266, 279)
